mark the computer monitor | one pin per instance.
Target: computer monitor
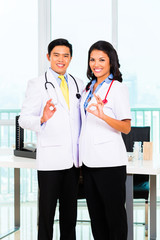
(28, 151)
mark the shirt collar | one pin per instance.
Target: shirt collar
(56, 75)
(107, 80)
(92, 84)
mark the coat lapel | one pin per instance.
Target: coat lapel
(57, 91)
(84, 96)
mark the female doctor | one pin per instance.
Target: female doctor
(105, 114)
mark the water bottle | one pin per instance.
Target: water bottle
(137, 151)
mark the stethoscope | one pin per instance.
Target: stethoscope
(105, 99)
(78, 95)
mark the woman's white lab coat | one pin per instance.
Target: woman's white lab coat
(100, 144)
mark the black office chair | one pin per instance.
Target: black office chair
(140, 182)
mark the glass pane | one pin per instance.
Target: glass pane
(82, 23)
(18, 48)
(139, 50)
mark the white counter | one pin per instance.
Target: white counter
(148, 167)
(7, 159)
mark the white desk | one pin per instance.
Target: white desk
(7, 159)
(152, 168)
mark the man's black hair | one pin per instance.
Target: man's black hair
(59, 42)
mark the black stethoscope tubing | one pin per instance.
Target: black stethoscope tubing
(78, 95)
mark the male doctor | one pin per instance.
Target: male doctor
(51, 109)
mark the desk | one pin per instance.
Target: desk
(152, 168)
(7, 159)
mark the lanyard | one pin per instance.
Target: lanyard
(105, 99)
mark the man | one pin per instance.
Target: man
(51, 108)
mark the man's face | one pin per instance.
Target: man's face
(60, 58)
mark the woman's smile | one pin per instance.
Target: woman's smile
(99, 64)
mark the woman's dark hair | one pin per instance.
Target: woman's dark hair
(59, 42)
(113, 57)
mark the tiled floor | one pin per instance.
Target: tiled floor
(28, 230)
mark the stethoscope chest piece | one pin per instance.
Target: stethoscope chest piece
(78, 95)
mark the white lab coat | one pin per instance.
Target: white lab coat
(100, 144)
(57, 139)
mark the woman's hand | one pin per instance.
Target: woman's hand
(48, 111)
(119, 125)
(98, 107)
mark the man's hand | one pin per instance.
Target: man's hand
(48, 111)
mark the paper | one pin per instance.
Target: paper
(147, 150)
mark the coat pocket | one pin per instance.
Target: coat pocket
(52, 142)
(102, 139)
(103, 133)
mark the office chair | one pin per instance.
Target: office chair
(140, 182)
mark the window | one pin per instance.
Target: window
(82, 23)
(18, 48)
(139, 50)
(19, 63)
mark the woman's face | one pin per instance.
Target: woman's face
(100, 64)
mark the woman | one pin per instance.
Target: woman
(105, 114)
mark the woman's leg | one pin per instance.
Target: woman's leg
(95, 205)
(105, 192)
